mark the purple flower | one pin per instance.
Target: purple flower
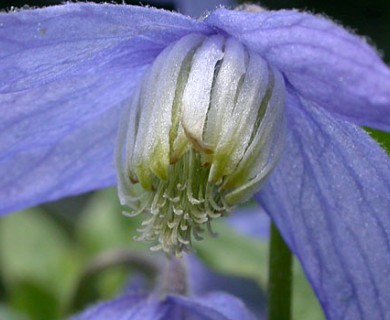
(66, 71)
(184, 291)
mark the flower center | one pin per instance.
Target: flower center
(182, 205)
(203, 131)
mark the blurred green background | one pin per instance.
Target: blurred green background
(45, 251)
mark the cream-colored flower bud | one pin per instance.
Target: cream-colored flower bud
(203, 131)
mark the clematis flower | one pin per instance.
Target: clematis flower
(184, 291)
(67, 72)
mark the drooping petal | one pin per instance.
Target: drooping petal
(65, 72)
(325, 63)
(214, 306)
(330, 198)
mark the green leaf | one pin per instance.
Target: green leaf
(35, 255)
(383, 138)
(103, 226)
(35, 300)
(6, 313)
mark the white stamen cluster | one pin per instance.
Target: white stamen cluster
(202, 132)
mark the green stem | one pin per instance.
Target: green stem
(280, 278)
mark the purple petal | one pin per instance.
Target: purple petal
(149, 309)
(330, 198)
(65, 72)
(321, 60)
(214, 306)
(113, 309)
(136, 307)
(39, 46)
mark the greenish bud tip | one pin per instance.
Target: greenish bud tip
(203, 130)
